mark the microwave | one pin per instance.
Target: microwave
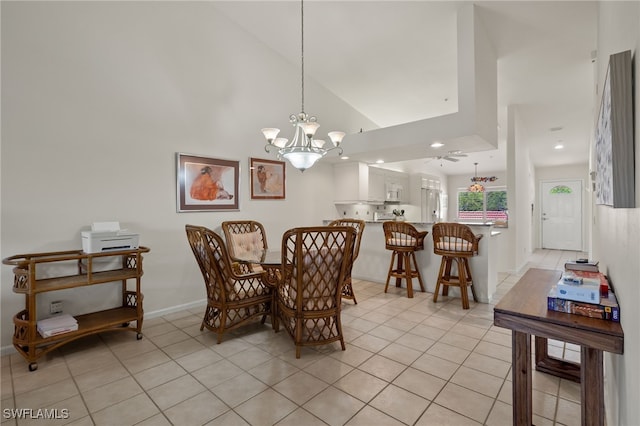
(393, 193)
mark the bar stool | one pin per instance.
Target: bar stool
(404, 240)
(455, 242)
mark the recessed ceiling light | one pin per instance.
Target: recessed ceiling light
(558, 146)
(344, 157)
(379, 161)
(437, 145)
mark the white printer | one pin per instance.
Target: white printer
(107, 236)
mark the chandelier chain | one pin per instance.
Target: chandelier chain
(302, 150)
(302, 50)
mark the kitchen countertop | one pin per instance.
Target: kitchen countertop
(408, 221)
(382, 221)
(424, 223)
(373, 262)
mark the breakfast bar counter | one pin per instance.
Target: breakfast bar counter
(373, 261)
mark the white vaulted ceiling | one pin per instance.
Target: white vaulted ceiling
(395, 62)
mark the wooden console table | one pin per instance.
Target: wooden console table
(524, 310)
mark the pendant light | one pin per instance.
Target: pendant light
(475, 185)
(303, 150)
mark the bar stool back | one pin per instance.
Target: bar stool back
(403, 239)
(455, 242)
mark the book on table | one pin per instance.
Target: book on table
(581, 265)
(607, 308)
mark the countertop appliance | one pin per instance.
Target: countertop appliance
(431, 205)
(393, 193)
(107, 236)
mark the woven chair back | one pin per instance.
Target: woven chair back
(236, 227)
(221, 282)
(315, 262)
(210, 253)
(402, 235)
(454, 239)
(358, 225)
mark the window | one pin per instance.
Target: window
(490, 205)
(560, 189)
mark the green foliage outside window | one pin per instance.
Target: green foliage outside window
(497, 201)
(470, 201)
(489, 205)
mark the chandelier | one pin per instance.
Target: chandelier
(303, 150)
(475, 186)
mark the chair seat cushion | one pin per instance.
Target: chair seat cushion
(403, 242)
(455, 244)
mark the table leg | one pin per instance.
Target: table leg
(522, 381)
(270, 277)
(555, 366)
(592, 386)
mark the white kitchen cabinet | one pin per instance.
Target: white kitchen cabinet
(419, 181)
(376, 184)
(351, 182)
(358, 183)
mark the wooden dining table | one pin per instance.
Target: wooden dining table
(524, 310)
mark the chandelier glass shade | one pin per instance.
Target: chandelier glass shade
(476, 187)
(302, 151)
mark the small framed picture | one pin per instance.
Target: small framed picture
(206, 184)
(267, 179)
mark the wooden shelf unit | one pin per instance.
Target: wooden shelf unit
(26, 338)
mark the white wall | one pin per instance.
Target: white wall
(569, 172)
(615, 231)
(97, 99)
(520, 192)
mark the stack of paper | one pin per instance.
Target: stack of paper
(57, 325)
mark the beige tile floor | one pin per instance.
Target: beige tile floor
(408, 362)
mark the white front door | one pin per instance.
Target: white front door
(561, 215)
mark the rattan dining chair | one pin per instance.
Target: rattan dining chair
(455, 242)
(245, 238)
(358, 225)
(232, 299)
(315, 264)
